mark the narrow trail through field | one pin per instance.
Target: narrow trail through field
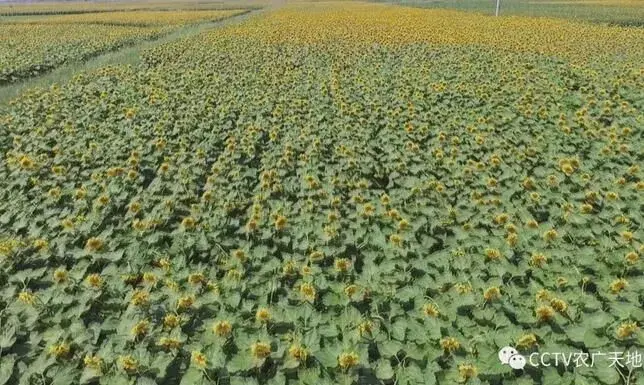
(126, 55)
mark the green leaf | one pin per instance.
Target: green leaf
(398, 330)
(604, 373)
(429, 374)
(240, 363)
(192, 376)
(291, 363)
(328, 357)
(279, 379)
(117, 379)
(145, 381)
(490, 365)
(384, 371)
(6, 368)
(8, 337)
(243, 381)
(63, 375)
(551, 376)
(389, 348)
(88, 375)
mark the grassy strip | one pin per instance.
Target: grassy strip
(129, 55)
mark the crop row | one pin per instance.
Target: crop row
(30, 47)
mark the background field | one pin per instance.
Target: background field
(72, 7)
(622, 12)
(31, 46)
(132, 18)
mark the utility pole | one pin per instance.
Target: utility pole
(498, 7)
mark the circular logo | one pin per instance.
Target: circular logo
(510, 356)
(506, 353)
(517, 361)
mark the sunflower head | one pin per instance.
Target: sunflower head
(492, 294)
(467, 371)
(545, 313)
(94, 244)
(627, 329)
(263, 315)
(260, 350)
(199, 359)
(348, 360)
(431, 310)
(222, 328)
(450, 344)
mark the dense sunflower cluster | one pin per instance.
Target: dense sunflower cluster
(28, 50)
(45, 8)
(138, 18)
(361, 23)
(614, 12)
(32, 46)
(249, 207)
(76, 7)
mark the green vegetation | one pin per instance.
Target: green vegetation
(130, 55)
(345, 193)
(31, 47)
(627, 12)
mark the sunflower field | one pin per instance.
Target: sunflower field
(39, 8)
(338, 193)
(32, 46)
(138, 18)
(28, 50)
